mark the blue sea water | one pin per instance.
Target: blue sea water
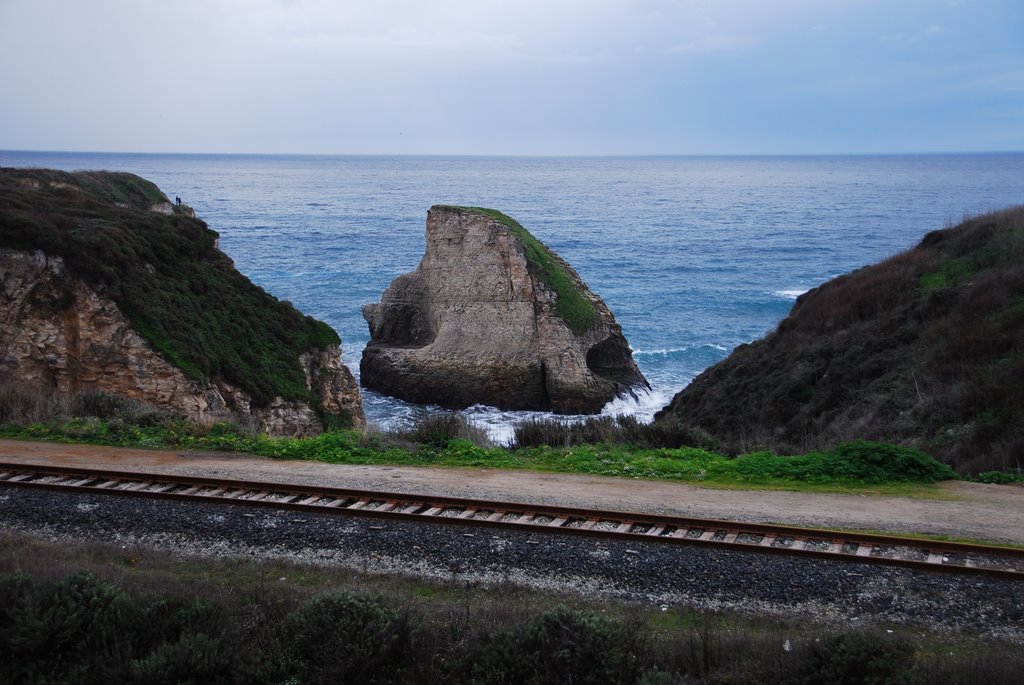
(694, 255)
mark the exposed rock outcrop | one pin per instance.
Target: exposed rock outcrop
(62, 328)
(925, 348)
(491, 316)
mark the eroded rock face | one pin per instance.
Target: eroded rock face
(480, 322)
(57, 333)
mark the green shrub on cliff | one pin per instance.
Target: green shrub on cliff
(573, 305)
(165, 273)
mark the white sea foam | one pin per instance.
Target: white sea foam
(500, 425)
(668, 351)
(644, 405)
(790, 294)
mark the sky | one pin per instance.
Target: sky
(513, 77)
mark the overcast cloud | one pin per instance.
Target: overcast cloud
(525, 77)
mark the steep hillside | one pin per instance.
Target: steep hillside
(925, 348)
(102, 237)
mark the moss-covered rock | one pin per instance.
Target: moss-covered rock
(572, 303)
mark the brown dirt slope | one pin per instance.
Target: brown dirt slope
(925, 349)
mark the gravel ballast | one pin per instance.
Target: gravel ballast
(653, 573)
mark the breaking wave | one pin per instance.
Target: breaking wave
(790, 294)
(675, 351)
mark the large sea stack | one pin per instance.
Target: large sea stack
(925, 349)
(107, 287)
(492, 316)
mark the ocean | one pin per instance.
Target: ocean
(694, 255)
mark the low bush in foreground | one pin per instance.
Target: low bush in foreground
(620, 430)
(82, 630)
(859, 657)
(218, 621)
(342, 637)
(437, 430)
(560, 646)
(999, 477)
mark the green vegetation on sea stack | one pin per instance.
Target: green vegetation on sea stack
(164, 271)
(574, 306)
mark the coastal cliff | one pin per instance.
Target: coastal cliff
(107, 286)
(925, 349)
(492, 316)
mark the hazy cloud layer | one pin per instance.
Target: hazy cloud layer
(525, 77)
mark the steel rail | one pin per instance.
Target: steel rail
(834, 545)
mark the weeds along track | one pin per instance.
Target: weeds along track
(837, 546)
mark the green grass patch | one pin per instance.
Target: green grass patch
(858, 467)
(574, 307)
(951, 273)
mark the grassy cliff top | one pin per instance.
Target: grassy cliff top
(925, 348)
(165, 273)
(573, 305)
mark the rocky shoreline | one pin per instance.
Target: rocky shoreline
(650, 574)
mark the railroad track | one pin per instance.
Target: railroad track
(834, 545)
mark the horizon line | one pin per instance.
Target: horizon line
(666, 155)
